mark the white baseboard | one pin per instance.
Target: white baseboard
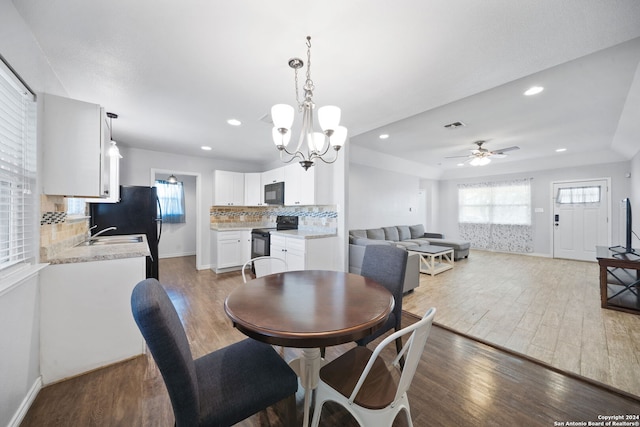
(175, 255)
(26, 403)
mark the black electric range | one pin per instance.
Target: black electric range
(261, 237)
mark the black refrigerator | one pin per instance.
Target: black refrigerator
(138, 212)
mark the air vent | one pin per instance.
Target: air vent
(267, 118)
(454, 125)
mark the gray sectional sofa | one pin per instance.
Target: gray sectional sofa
(403, 236)
(407, 236)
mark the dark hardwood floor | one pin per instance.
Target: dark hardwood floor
(459, 382)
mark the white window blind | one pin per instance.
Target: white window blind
(18, 223)
(495, 203)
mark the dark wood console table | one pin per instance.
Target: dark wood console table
(619, 280)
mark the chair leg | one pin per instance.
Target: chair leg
(398, 349)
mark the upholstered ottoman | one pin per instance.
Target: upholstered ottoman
(460, 247)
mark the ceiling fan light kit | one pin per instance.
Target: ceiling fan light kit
(480, 156)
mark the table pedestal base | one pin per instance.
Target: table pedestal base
(308, 369)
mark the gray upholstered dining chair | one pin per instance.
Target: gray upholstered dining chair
(362, 382)
(386, 265)
(220, 388)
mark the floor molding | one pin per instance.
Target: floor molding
(26, 403)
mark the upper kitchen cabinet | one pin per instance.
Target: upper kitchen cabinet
(272, 176)
(253, 189)
(75, 147)
(308, 187)
(228, 188)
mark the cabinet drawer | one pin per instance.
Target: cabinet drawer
(297, 245)
(229, 235)
(278, 240)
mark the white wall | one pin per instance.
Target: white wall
(541, 197)
(180, 239)
(19, 307)
(19, 347)
(380, 198)
(634, 194)
(136, 166)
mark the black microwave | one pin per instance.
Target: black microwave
(274, 193)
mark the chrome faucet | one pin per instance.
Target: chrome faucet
(102, 231)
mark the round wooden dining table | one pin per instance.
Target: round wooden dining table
(309, 309)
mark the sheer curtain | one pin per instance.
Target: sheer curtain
(496, 215)
(171, 198)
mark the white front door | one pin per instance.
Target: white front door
(580, 218)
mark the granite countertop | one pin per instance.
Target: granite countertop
(235, 227)
(83, 253)
(304, 234)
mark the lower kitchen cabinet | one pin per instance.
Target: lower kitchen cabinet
(304, 254)
(229, 249)
(86, 320)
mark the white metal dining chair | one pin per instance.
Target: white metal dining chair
(264, 265)
(364, 385)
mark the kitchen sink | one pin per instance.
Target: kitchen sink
(111, 240)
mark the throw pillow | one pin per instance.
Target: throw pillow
(358, 233)
(403, 232)
(375, 233)
(417, 231)
(391, 233)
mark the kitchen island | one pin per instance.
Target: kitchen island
(86, 320)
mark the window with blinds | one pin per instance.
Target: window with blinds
(18, 221)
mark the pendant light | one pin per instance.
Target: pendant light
(172, 179)
(113, 149)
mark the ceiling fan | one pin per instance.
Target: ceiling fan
(481, 156)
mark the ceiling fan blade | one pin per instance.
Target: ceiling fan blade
(457, 157)
(503, 150)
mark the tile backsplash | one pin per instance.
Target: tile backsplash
(322, 218)
(57, 230)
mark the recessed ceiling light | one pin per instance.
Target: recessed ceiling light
(560, 150)
(534, 90)
(206, 148)
(234, 122)
(384, 136)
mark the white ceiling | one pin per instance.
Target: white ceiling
(176, 71)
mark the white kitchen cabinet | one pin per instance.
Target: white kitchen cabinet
(308, 187)
(85, 316)
(228, 249)
(304, 254)
(228, 188)
(245, 249)
(78, 130)
(273, 176)
(253, 189)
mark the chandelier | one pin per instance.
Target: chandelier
(317, 143)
